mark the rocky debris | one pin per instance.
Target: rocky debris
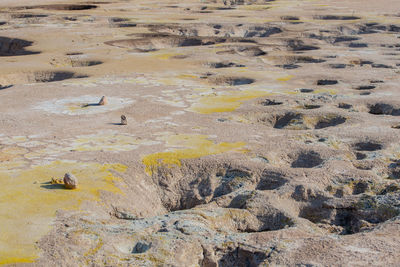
(70, 181)
(122, 214)
(124, 121)
(225, 211)
(243, 226)
(56, 181)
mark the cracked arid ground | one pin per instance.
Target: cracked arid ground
(260, 133)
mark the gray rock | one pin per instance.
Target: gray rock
(70, 181)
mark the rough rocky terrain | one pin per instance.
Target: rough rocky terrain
(259, 133)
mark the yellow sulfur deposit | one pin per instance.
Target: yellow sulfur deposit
(226, 102)
(29, 201)
(285, 78)
(195, 146)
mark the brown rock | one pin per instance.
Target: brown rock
(123, 120)
(70, 181)
(103, 101)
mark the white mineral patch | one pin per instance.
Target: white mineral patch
(107, 141)
(174, 103)
(145, 81)
(104, 141)
(82, 105)
(31, 144)
(179, 112)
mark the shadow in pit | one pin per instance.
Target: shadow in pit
(5, 87)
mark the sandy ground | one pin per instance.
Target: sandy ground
(260, 133)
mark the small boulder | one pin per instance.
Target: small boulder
(70, 181)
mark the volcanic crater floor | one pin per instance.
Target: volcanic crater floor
(259, 133)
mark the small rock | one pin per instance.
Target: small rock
(123, 120)
(56, 181)
(103, 101)
(70, 181)
(120, 214)
(141, 247)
